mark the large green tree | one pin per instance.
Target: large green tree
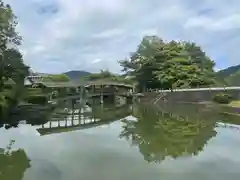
(11, 62)
(167, 65)
(13, 164)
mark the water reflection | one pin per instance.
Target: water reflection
(13, 163)
(74, 137)
(67, 114)
(74, 116)
(31, 114)
(159, 135)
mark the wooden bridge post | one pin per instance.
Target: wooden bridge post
(50, 97)
(101, 94)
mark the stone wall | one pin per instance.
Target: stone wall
(189, 96)
(198, 96)
(149, 97)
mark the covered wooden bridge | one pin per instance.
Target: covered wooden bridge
(88, 89)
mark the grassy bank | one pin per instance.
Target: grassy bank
(234, 104)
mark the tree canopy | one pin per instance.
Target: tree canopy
(107, 76)
(167, 65)
(11, 60)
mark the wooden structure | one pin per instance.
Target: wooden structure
(88, 89)
(102, 89)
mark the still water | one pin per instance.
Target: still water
(129, 142)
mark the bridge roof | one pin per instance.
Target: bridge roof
(81, 83)
(59, 84)
(100, 82)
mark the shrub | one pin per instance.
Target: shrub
(222, 98)
(34, 91)
(3, 105)
(37, 99)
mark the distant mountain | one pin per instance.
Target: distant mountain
(228, 71)
(229, 76)
(74, 75)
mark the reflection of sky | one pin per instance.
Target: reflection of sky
(99, 154)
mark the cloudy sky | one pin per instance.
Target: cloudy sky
(62, 35)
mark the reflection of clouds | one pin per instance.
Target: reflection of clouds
(224, 147)
(45, 169)
(131, 118)
(97, 153)
(21, 134)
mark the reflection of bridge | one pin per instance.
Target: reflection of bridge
(74, 120)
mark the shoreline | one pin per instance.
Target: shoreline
(232, 108)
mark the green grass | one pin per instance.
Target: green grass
(234, 104)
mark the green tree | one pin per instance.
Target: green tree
(141, 64)
(13, 164)
(107, 76)
(11, 64)
(167, 65)
(15, 68)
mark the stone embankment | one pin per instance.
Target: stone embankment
(191, 97)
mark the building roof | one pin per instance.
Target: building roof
(80, 83)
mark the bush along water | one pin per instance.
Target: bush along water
(222, 98)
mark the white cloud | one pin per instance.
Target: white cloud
(109, 33)
(61, 35)
(96, 61)
(226, 23)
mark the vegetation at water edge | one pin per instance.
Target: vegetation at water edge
(12, 69)
(222, 98)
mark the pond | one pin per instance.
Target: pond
(128, 142)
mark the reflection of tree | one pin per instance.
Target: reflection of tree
(13, 164)
(34, 115)
(159, 135)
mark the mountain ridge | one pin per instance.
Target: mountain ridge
(76, 74)
(229, 76)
